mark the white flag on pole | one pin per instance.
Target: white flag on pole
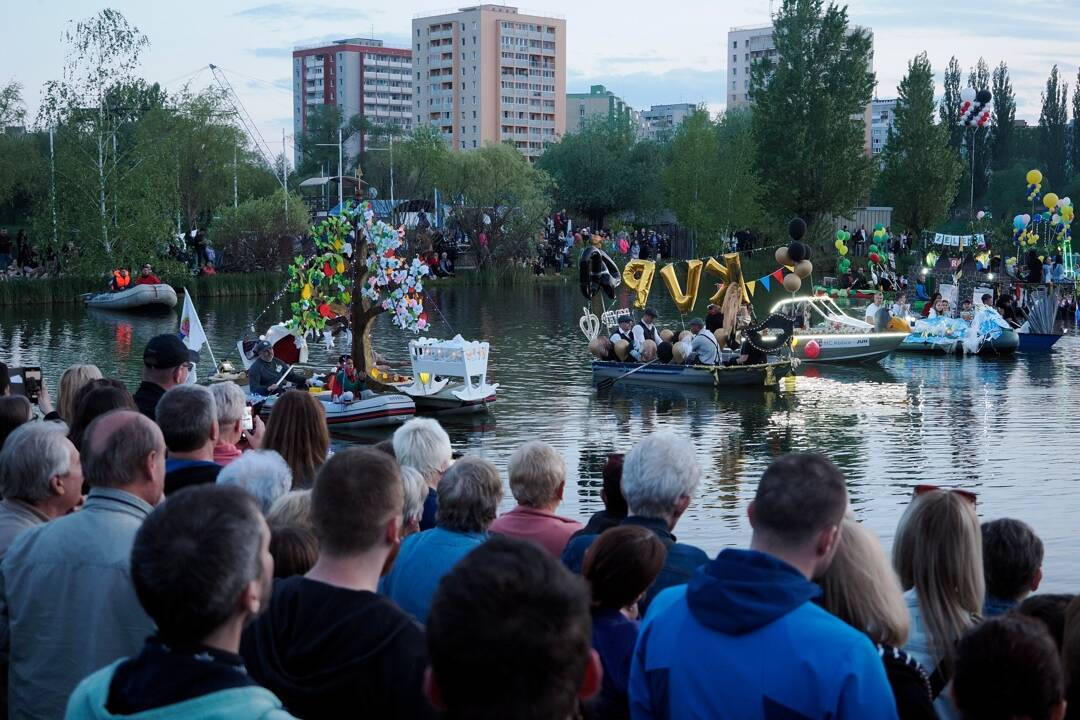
(191, 329)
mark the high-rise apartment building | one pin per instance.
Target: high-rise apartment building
(359, 75)
(883, 114)
(748, 45)
(489, 74)
(661, 121)
(600, 102)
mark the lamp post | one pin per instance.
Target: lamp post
(340, 188)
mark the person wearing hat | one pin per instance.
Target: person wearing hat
(645, 330)
(267, 375)
(714, 318)
(625, 333)
(167, 361)
(704, 350)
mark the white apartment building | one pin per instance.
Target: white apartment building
(883, 114)
(661, 121)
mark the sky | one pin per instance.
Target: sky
(646, 52)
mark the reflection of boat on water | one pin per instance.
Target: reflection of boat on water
(763, 375)
(836, 336)
(139, 297)
(370, 410)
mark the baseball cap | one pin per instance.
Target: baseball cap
(167, 351)
(697, 321)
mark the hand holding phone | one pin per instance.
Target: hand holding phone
(32, 383)
(249, 422)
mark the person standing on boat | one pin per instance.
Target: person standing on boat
(714, 319)
(645, 330)
(147, 276)
(704, 350)
(626, 333)
(871, 312)
(267, 375)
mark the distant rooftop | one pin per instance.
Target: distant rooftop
(368, 42)
(508, 9)
(747, 28)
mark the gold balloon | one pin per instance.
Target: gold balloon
(683, 301)
(715, 267)
(792, 283)
(638, 276)
(782, 256)
(721, 336)
(622, 349)
(600, 348)
(804, 269)
(667, 335)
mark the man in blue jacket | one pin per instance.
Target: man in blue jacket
(744, 638)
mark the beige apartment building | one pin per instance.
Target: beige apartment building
(488, 74)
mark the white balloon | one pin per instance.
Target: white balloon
(1055, 218)
(967, 94)
(1027, 218)
(1065, 202)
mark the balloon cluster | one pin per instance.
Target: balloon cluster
(1034, 184)
(973, 107)
(796, 255)
(842, 237)
(873, 253)
(1057, 218)
(596, 270)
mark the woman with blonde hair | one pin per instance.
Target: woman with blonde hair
(937, 553)
(861, 589)
(297, 430)
(74, 379)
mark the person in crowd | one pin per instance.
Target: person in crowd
(920, 290)
(187, 417)
(386, 446)
(614, 511)
(861, 589)
(49, 646)
(987, 300)
(1012, 564)
(231, 404)
(1009, 311)
(348, 381)
(15, 411)
(941, 309)
(645, 328)
(871, 312)
(40, 479)
(270, 376)
(147, 276)
(166, 364)
(1050, 609)
(937, 553)
(704, 350)
(744, 639)
(660, 475)
(295, 550)
(714, 318)
(469, 499)
(931, 306)
(5, 380)
(74, 379)
(207, 269)
(625, 333)
(328, 640)
(202, 569)
(5, 250)
(297, 430)
(1068, 645)
(749, 354)
(263, 473)
(537, 475)
(1008, 667)
(967, 310)
(1047, 270)
(619, 567)
(900, 308)
(293, 508)
(509, 636)
(94, 400)
(422, 444)
(416, 492)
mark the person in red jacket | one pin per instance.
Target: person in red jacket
(147, 276)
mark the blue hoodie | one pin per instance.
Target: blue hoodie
(743, 640)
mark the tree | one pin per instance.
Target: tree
(979, 79)
(950, 104)
(1003, 118)
(257, 234)
(693, 177)
(1053, 148)
(22, 160)
(12, 109)
(739, 194)
(808, 114)
(919, 169)
(317, 144)
(1075, 140)
(419, 160)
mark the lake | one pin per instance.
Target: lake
(1003, 428)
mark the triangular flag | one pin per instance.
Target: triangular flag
(779, 275)
(191, 329)
(791, 268)
(750, 286)
(766, 282)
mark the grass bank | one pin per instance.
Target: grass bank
(70, 289)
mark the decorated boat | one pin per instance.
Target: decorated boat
(369, 410)
(1038, 333)
(987, 334)
(1037, 342)
(137, 297)
(835, 337)
(765, 375)
(447, 376)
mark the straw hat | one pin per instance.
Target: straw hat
(667, 335)
(680, 351)
(648, 351)
(600, 348)
(622, 349)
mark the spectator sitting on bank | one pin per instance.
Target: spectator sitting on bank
(15, 411)
(297, 430)
(202, 570)
(471, 491)
(188, 420)
(659, 477)
(166, 364)
(295, 550)
(745, 634)
(328, 641)
(416, 492)
(1008, 667)
(231, 403)
(510, 636)
(614, 511)
(52, 645)
(94, 400)
(537, 480)
(1012, 564)
(207, 269)
(263, 473)
(40, 478)
(422, 444)
(74, 379)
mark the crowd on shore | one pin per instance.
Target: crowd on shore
(160, 559)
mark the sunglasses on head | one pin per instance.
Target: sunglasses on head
(968, 495)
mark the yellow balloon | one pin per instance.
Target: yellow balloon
(715, 267)
(794, 343)
(638, 276)
(843, 251)
(1050, 200)
(683, 301)
(1034, 177)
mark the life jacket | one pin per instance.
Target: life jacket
(121, 278)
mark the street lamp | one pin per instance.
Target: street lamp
(340, 189)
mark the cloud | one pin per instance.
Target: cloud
(295, 10)
(641, 89)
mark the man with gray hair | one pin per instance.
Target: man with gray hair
(263, 473)
(422, 444)
(471, 491)
(231, 404)
(187, 416)
(67, 605)
(40, 479)
(659, 478)
(704, 350)
(416, 492)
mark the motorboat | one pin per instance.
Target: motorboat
(137, 297)
(834, 336)
(369, 410)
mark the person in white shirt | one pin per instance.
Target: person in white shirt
(870, 315)
(900, 308)
(626, 333)
(704, 348)
(645, 330)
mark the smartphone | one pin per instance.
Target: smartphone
(249, 421)
(32, 383)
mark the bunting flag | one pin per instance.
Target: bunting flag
(779, 275)
(751, 286)
(766, 282)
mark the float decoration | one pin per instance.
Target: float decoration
(638, 276)
(596, 271)
(317, 279)
(683, 301)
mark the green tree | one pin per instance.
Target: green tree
(1075, 140)
(692, 178)
(419, 159)
(22, 159)
(950, 104)
(1053, 141)
(1003, 117)
(317, 144)
(739, 193)
(808, 114)
(12, 109)
(258, 234)
(919, 169)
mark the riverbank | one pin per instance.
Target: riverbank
(70, 290)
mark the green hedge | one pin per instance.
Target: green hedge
(70, 290)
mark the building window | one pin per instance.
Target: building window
(462, 144)
(735, 44)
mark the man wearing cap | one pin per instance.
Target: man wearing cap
(645, 330)
(267, 375)
(626, 333)
(704, 350)
(166, 364)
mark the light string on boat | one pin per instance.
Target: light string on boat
(277, 296)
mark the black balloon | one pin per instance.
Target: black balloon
(797, 228)
(809, 251)
(797, 252)
(984, 96)
(597, 270)
(588, 289)
(608, 283)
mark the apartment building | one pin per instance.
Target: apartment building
(600, 102)
(489, 74)
(361, 76)
(883, 115)
(661, 121)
